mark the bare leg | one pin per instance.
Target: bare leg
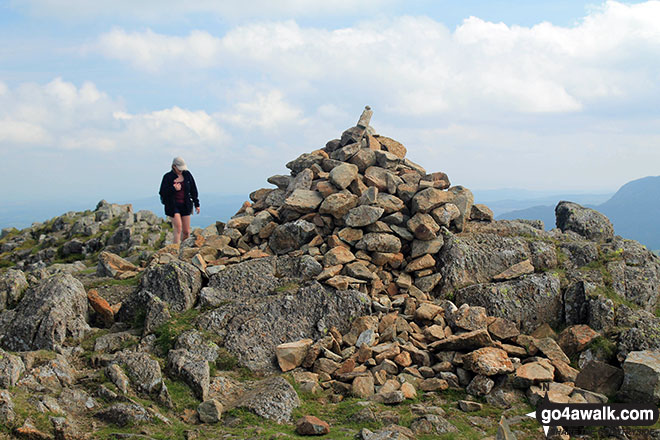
(185, 233)
(176, 224)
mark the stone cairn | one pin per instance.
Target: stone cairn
(373, 219)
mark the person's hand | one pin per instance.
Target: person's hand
(197, 209)
(177, 186)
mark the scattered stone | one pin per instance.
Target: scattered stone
(600, 377)
(576, 338)
(469, 406)
(488, 361)
(310, 425)
(210, 411)
(291, 355)
(112, 265)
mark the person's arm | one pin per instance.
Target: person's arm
(166, 189)
(193, 193)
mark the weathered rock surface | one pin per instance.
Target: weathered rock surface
(12, 286)
(177, 283)
(586, 222)
(528, 301)
(252, 329)
(273, 398)
(49, 313)
(641, 381)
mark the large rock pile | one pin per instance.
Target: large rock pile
(373, 218)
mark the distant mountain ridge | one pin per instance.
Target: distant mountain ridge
(633, 210)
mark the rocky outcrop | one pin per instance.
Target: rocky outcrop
(177, 283)
(586, 222)
(81, 236)
(251, 328)
(529, 301)
(49, 313)
(641, 381)
(12, 286)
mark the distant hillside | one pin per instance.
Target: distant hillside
(21, 215)
(634, 210)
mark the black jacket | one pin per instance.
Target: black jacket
(167, 192)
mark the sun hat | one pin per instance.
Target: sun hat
(179, 163)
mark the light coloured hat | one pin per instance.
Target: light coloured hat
(179, 163)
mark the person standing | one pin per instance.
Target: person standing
(178, 193)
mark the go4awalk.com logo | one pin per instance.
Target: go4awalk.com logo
(564, 415)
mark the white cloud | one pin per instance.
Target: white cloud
(150, 51)
(422, 67)
(267, 110)
(60, 115)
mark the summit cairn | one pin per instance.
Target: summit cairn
(359, 207)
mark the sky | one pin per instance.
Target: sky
(96, 98)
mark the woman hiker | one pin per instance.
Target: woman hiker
(178, 193)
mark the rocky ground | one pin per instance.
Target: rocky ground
(361, 297)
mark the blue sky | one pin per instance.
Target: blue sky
(97, 97)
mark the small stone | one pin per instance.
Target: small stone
(391, 398)
(481, 212)
(290, 355)
(342, 175)
(102, 307)
(428, 199)
(533, 373)
(310, 425)
(337, 255)
(551, 350)
(363, 387)
(303, 200)
(408, 390)
(469, 406)
(210, 411)
(576, 338)
(433, 384)
(427, 311)
(480, 385)
(488, 361)
(503, 329)
(420, 263)
(423, 226)
(363, 215)
(338, 204)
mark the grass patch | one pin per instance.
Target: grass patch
(225, 361)
(604, 347)
(167, 333)
(6, 263)
(287, 287)
(608, 292)
(182, 396)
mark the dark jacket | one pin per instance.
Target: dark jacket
(167, 192)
